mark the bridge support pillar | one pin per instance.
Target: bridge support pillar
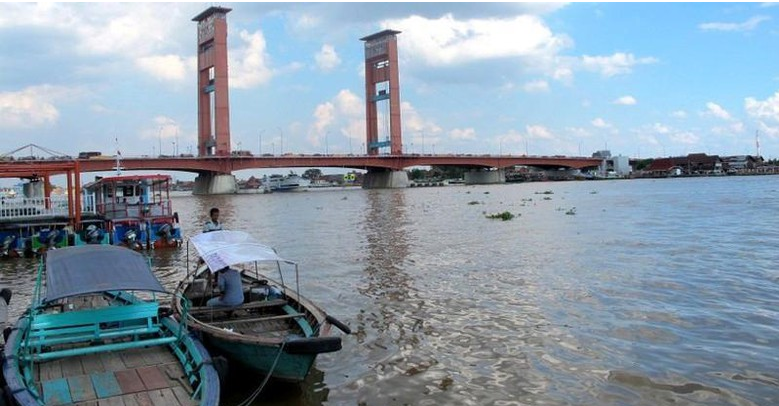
(484, 177)
(385, 180)
(212, 183)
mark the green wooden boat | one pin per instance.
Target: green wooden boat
(95, 334)
(275, 332)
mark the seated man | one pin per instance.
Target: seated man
(229, 283)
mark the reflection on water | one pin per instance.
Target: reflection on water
(656, 292)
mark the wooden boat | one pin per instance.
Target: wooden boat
(276, 332)
(96, 334)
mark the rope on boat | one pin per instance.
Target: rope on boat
(256, 393)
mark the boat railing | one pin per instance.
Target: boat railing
(113, 210)
(39, 207)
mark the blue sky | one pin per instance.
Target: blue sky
(641, 79)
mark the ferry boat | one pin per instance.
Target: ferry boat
(282, 183)
(136, 209)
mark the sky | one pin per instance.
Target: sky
(639, 79)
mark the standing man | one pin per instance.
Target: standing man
(213, 224)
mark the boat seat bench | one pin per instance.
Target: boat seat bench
(245, 306)
(95, 325)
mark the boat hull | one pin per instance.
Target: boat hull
(260, 358)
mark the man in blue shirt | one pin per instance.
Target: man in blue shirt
(229, 283)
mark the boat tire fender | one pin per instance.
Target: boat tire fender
(312, 345)
(338, 323)
(6, 294)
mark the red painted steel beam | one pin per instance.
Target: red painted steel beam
(231, 164)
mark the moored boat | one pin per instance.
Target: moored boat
(96, 334)
(137, 210)
(276, 331)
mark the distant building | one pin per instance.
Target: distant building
(692, 164)
(738, 163)
(621, 165)
(618, 166)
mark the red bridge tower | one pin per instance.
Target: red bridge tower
(382, 83)
(212, 105)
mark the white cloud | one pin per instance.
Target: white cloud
(128, 29)
(763, 109)
(342, 114)
(166, 67)
(684, 137)
(679, 114)
(626, 101)
(100, 109)
(772, 132)
(747, 25)
(733, 128)
(249, 66)
(578, 132)
(162, 127)
(448, 41)
(32, 107)
(660, 128)
(618, 64)
(563, 74)
(715, 110)
(324, 115)
(539, 132)
(305, 22)
(416, 124)
(463, 134)
(600, 123)
(536, 86)
(327, 59)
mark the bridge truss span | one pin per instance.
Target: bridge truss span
(227, 165)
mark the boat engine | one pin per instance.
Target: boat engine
(165, 232)
(8, 243)
(130, 238)
(52, 238)
(94, 235)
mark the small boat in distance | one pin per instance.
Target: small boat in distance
(96, 334)
(137, 210)
(276, 331)
(285, 183)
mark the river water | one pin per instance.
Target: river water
(637, 292)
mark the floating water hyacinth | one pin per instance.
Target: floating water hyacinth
(505, 216)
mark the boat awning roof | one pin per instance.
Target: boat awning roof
(81, 270)
(128, 179)
(220, 249)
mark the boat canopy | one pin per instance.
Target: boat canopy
(81, 270)
(220, 249)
